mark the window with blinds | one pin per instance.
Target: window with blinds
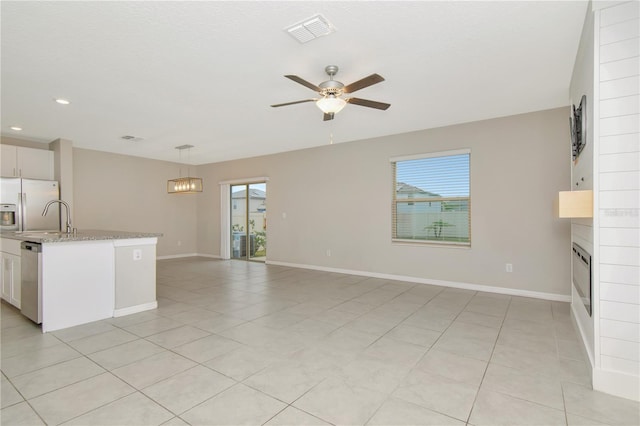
(431, 201)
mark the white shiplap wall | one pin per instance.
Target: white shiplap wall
(617, 222)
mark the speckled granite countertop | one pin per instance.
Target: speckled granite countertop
(81, 235)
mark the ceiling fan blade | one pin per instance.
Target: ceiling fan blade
(293, 103)
(303, 82)
(365, 82)
(328, 116)
(368, 103)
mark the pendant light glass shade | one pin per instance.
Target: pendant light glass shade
(330, 104)
(184, 185)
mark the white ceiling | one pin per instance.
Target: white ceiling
(205, 73)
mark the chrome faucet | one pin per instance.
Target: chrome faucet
(46, 209)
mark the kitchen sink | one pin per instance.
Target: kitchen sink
(41, 233)
(38, 236)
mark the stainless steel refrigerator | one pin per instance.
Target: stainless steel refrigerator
(22, 202)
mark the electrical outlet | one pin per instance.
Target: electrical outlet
(328, 253)
(179, 243)
(508, 267)
(137, 254)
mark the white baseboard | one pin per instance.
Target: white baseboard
(135, 309)
(176, 256)
(210, 256)
(453, 284)
(583, 336)
(180, 256)
(615, 383)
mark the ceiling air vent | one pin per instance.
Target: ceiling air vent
(131, 138)
(310, 28)
(181, 147)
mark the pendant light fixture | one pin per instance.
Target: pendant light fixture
(184, 185)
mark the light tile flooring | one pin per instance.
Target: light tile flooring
(246, 343)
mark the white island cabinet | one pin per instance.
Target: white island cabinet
(10, 271)
(94, 275)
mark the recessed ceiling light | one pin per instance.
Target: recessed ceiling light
(62, 101)
(16, 128)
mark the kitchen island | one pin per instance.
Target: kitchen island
(92, 275)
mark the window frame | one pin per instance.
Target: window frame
(396, 201)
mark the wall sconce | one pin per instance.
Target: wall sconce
(574, 204)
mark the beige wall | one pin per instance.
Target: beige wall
(118, 192)
(63, 169)
(338, 197)
(135, 279)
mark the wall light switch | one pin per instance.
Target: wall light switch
(137, 254)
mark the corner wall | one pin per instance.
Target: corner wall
(338, 198)
(607, 70)
(582, 83)
(63, 169)
(126, 193)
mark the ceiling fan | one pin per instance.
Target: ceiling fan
(331, 91)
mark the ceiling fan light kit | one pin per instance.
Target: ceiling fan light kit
(331, 91)
(331, 104)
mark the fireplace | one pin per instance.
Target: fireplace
(581, 268)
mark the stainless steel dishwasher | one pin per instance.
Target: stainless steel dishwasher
(31, 283)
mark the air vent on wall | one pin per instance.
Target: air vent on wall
(310, 28)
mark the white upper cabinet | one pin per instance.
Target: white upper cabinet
(35, 163)
(8, 160)
(29, 163)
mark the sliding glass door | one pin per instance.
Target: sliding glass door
(249, 221)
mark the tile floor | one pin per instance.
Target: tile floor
(246, 343)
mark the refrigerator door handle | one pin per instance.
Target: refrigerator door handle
(23, 226)
(19, 213)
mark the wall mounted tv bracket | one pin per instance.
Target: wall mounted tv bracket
(578, 127)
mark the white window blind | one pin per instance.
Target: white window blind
(431, 201)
